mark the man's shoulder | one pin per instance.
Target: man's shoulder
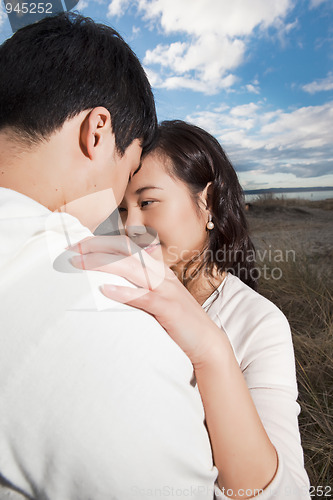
(45, 299)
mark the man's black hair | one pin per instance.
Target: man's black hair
(52, 70)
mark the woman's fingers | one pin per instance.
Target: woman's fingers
(140, 298)
(139, 269)
(118, 244)
(94, 261)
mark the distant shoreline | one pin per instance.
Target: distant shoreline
(287, 190)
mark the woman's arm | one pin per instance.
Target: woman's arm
(243, 453)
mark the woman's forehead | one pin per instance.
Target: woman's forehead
(153, 169)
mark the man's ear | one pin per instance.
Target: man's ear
(96, 129)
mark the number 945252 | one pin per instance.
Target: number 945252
(29, 8)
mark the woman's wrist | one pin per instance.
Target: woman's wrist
(215, 350)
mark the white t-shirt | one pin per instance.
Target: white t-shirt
(95, 397)
(260, 336)
(96, 400)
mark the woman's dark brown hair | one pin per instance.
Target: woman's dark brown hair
(197, 158)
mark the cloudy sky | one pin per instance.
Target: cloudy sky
(258, 74)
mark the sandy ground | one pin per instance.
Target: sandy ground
(305, 230)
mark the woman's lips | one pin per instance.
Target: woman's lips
(145, 240)
(151, 248)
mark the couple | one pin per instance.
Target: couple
(195, 399)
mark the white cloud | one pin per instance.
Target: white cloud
(254, 89)
(117, 8)
(153, 77)
(298, 141)
(197, 84)
(214, 37)
(316, 3)
(209, 59)
(283, 30)
(214, 16)
(83, 4)
(319, 85)
(166, 55)
(245, 109)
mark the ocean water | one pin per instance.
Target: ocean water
(306, 195)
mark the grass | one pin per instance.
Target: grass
(306, 299)
(269, 200)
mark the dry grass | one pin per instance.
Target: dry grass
(306, 299)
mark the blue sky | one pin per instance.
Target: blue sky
(258, 74)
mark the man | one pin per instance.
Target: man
(96, 400)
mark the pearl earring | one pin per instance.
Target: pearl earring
(210, 225)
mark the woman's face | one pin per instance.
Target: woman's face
(159, 214)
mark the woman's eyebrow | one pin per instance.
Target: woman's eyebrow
(138, 191)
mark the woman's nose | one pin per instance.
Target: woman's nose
(132, 231)
(133, 224)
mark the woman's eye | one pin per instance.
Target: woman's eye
(122, 209)
(146, 203)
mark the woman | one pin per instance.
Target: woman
(185, 208)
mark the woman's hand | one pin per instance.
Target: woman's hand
(159, 292)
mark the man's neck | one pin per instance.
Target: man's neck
(21, 169)
(70, 171)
